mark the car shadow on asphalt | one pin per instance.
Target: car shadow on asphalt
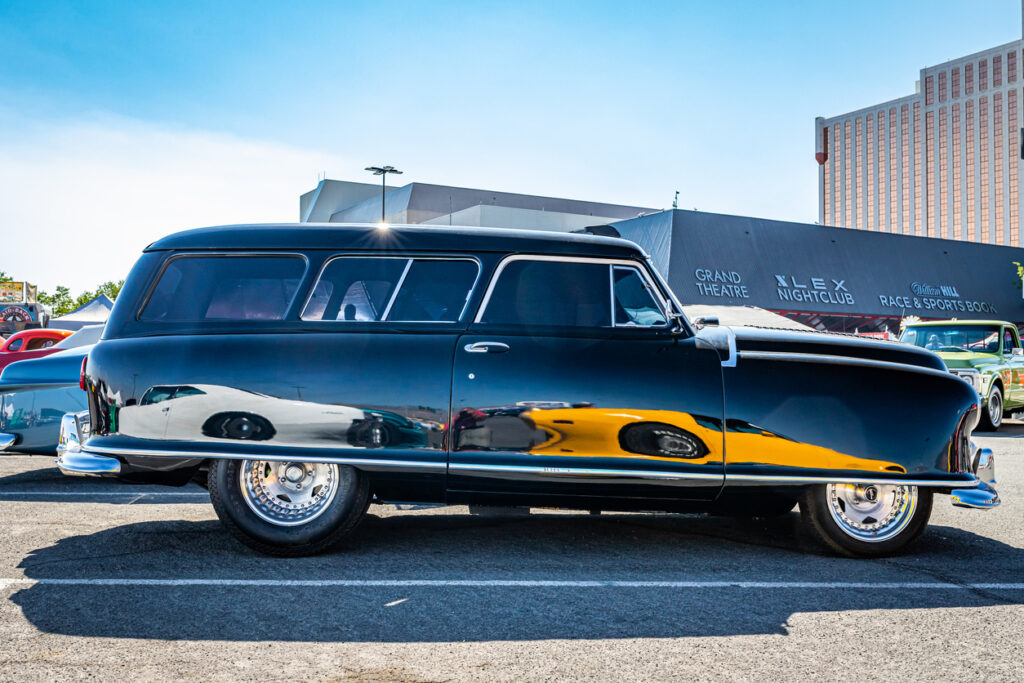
(1009, 430)
(48, 484)
(446, 547)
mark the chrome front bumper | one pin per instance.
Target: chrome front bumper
(983, 496)
(71, 459)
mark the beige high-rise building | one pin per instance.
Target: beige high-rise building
(943, 162)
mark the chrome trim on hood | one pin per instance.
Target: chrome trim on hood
(828, 359)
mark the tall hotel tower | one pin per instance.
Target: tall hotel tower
(943, 162)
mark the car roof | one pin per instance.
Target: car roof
(394, 238)
(935, 323)
(39, 332)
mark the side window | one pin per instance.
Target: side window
(1008, 341)
(224, 288)
(16, 344)
(434, 291)
(355, 289)
(156, 395)
(634, 302)
(394, 289)
(553, 293)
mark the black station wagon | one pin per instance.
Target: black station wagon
(303, 372)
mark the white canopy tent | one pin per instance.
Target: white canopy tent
(91, 313)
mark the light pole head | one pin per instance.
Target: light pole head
(383, 170)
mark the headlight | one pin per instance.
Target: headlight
(972, 377)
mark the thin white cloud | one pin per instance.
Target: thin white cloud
(80, 200)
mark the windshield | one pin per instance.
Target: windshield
(977, 338)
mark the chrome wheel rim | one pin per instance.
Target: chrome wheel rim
(871, 512)
(995, 408)
(288, 493)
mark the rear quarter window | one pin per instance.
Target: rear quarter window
(221, 288)
(393, 289)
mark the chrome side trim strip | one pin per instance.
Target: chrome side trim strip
(184, 455)
(588, 472)
(784, 479)
(829, 359)
(7, 440)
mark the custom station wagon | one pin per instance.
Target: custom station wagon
(303, 372)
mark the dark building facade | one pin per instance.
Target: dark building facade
(829, 278)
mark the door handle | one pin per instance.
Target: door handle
(487, 347)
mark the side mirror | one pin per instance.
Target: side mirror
(706, 320)
(1018, 351)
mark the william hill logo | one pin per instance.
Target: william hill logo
(922, 289)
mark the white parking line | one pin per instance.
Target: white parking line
(106, 494)
(510, 583)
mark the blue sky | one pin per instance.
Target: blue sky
(122, 121)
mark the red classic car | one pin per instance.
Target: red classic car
(30, 344)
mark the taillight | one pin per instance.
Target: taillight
(81, 375)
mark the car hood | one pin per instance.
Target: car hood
(967, 359)
(833, 344)
(63, 367)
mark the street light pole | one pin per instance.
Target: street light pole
(383, 171)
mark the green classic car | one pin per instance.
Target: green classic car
(986, 353)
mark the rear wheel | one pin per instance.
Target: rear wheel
(287, 508)
(866, 520)
(992, 415)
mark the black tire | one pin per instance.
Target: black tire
(992, 412)
(820, 524)
(338, 520)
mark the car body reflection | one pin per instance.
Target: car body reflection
(208, 412)
(549, 428)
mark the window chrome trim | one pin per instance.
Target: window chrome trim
(218, 254)
(651, 290)
(191, 455)
(394, 294)
(839, 360)
(611, 263)
(410, 258)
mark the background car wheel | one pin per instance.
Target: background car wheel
(287, 508)
(866, 520)
(992, 415)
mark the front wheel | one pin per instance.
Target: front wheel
(992, 415)
(287, 508)
(866, 520)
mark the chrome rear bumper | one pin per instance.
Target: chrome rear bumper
(71, 459)
(983, 496)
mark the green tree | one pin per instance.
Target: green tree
(111, 289)
(4, 277)
(60, 302)
(82, 299)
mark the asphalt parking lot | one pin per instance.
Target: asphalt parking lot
(104, 580)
